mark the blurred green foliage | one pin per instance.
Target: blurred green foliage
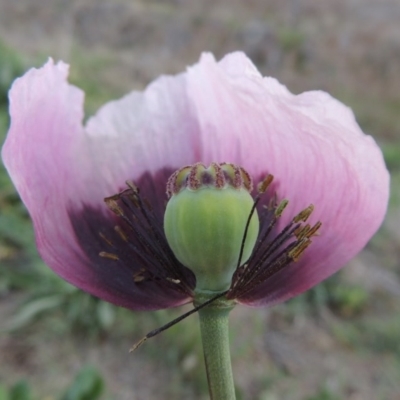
(16, 238)
(378, 335)
(343, 298)
(11, 66)
(94, 81)
(323, 394)
(180, 347)
(88, 384)
(77, 311)
(20, 391)
(391, 152)
(291, 39)
(392, 156)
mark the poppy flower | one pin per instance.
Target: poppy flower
(215, 112)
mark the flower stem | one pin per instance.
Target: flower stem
(215, 337)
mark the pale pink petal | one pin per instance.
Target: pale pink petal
(143, 132)
(313, 146)
(63, 171)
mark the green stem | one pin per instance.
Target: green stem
(214, 328)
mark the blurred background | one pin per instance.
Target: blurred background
(340, 340)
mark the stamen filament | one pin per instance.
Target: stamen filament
(175, 321)
(263, 264)
(151, 246)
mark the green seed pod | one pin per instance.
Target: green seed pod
(205, 221)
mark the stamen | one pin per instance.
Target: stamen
(175, 321)
(314, 230)
(269, 257)
(299, 250)
(121, 233)
(113, 206)
(281, 208)
(150, 246)
(263, 185)
(302, 231)
(303, 215)
(138, 276)
(108, 241)
(109, 255)
(176, 281)
(134, 188)
(245, 231)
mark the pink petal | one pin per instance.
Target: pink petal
(62, 170)
(313, 146)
